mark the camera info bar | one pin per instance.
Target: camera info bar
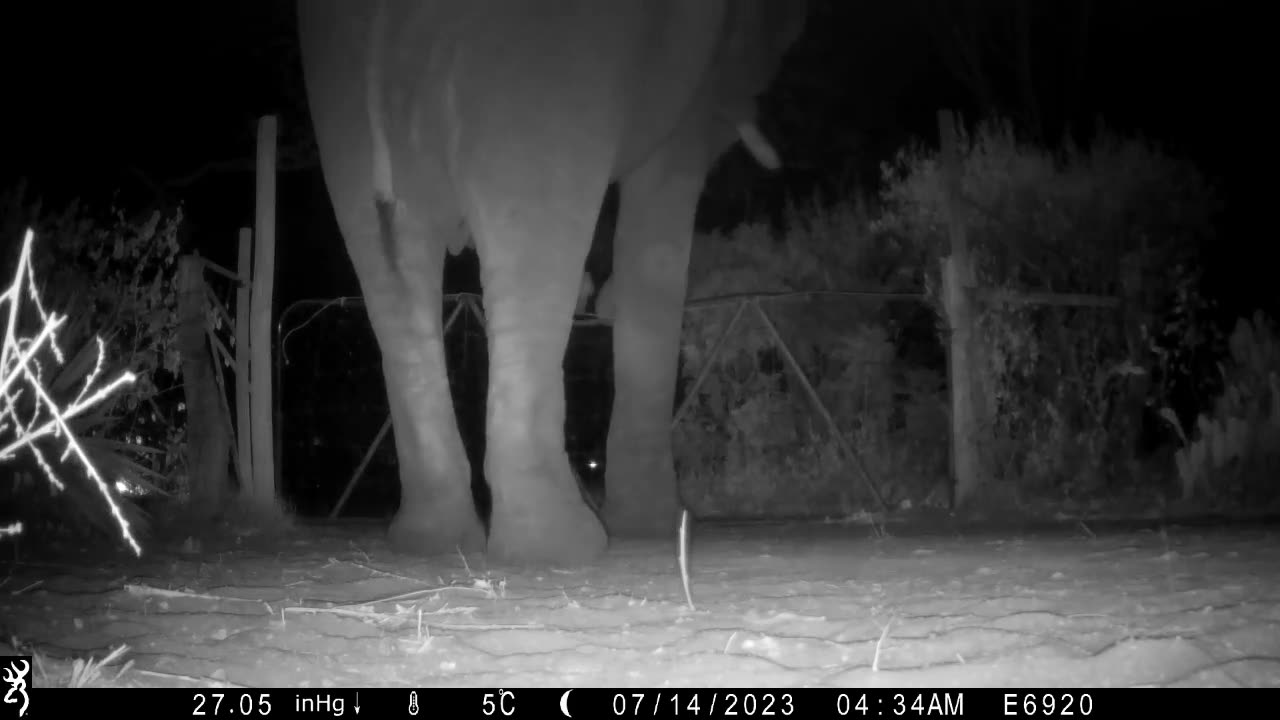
(594, 703)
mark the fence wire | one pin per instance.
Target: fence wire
(749, 443)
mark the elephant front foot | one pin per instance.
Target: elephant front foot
(544, 523)
(425, 528)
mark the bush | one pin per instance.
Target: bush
(30, 419)
(1065, 387)
(1236, 452)
(115, 277)
(752, 443)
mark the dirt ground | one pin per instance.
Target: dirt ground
(776, 605)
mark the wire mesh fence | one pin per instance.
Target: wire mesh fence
(830, 405)
(814, 405)
(332, 400)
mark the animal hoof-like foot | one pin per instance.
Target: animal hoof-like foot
(425, 533)
(564, 536)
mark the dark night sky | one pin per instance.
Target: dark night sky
(101, 95)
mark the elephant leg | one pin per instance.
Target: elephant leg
(437, 512)
(404, 302)
(533, 233)
(650, 276)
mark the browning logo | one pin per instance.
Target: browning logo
(15, 672)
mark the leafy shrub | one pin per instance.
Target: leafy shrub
(752, 442)
(1236, 452)
(114, 277)
(1064, 386)
(31, 420)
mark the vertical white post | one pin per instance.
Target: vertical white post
(263, 488)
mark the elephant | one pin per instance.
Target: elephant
(502, 123)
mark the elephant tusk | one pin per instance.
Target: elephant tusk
(758, 145)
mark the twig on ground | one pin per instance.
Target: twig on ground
(684, 556)
(875, 660)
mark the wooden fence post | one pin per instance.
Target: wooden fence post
(208, 444)
(958, 282)
(262, 490)
(244, 426)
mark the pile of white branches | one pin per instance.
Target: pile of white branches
(27, 413)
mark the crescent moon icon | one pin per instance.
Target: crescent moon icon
(564, 703)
